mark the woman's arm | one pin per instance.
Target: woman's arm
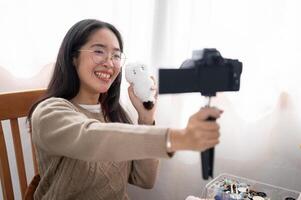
(61, 130)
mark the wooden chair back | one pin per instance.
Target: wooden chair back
(13, 106)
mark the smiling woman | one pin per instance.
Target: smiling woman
(87, 147)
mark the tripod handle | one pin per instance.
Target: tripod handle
(207, 158)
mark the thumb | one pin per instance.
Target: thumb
(131, 91)
(207, 112)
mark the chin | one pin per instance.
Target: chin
(103, 89)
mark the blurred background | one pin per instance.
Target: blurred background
(261, 124)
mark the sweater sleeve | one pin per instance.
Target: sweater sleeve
(143, 173)
(61, 130)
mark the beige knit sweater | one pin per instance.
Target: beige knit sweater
(81, 157)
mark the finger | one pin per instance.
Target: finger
(207, 112)
(156, 94)
(131, 91)
(130, 88)
(211, 135)
(154, 87)
(153, 78)
(209, 144)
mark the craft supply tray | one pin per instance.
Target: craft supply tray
(230, 187)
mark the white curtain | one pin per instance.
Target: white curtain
(261, 124)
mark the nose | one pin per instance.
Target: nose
(108, 62)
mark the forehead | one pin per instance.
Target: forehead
(104, 37)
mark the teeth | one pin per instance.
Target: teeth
(102, 75)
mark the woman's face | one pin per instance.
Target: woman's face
(95, 65)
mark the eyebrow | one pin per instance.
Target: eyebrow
(103, 46)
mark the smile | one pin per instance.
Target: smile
(102, 75)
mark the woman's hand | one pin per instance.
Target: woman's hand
(144, 116)
(199, 134)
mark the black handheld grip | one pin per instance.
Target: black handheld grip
(207, 158)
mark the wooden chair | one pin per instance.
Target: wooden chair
(13, 106)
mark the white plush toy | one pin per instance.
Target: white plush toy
(138, 74)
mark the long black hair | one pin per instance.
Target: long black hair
(65, 81)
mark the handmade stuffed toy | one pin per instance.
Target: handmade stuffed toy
(138, 74)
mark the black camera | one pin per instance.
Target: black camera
(206, 72)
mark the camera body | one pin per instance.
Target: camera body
(206, 72)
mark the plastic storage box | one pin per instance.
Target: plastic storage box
(230, 187)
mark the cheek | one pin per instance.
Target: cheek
(84, 63)
(85, 67)
(117, 72)
(83, 72)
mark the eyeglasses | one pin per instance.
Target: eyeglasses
(99, 56)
